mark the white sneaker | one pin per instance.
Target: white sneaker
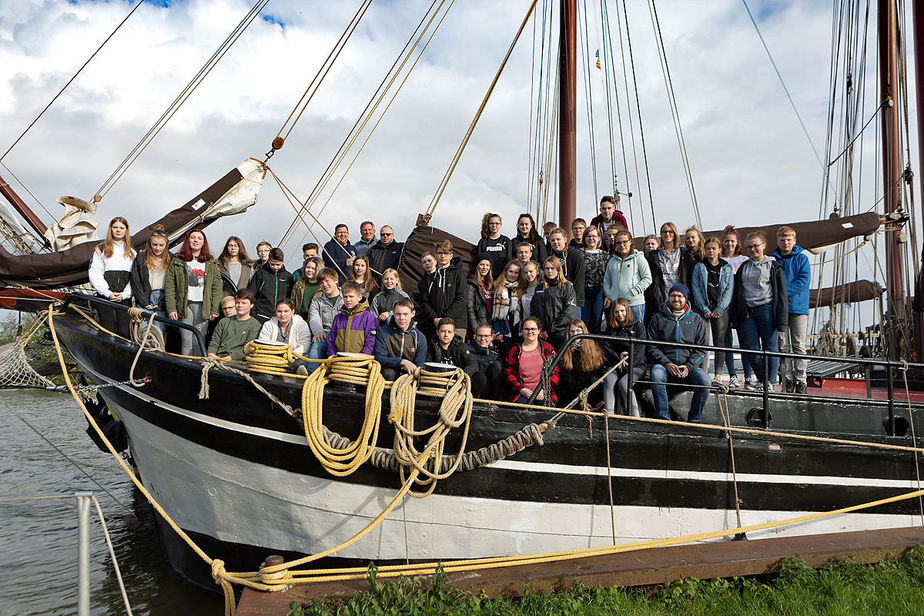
(301, 370)
(752, 383)
(733, 382)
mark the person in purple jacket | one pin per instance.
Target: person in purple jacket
(353, 329)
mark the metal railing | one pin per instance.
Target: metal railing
(889, 365)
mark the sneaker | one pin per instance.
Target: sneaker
(733, 382)
(772, 387)
(302, 370)
(800, 388)
(750, 385)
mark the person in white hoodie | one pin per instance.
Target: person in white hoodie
(286, 327)
(110, 273)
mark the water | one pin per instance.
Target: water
(38, 539)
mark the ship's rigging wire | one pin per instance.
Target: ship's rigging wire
(675, 111)
(538, 179)
(588, 100)
(532, 111)
(181, 98)
(73, 77)
(859, 134)
(909, 185)
(471, 129)
(26, 188)
(318, 78)
(368, 113)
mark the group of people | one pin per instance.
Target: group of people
(504, 322)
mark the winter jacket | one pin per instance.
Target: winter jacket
(322, 313)
(572, 263)
(362, 247)
(699, 288)
(299, 337)
(353, 330)
(654, 294)
(384, 300)
(476, 306)
(101, 265)
(689, 328)
(176, 288)
(382, 257)
(622, 335)
(303, 292)
(512, 372)
(484, 357)
(499, 251)
(141, 282)
(780, 301)
(269, 287)
(335, 256)
(555, 307)
(627, 278)
(455, 355)
(798, 272)
(505, 313)
(687, 262)
(392, 345)
(229, 286)
(442, 294)
(231, 335)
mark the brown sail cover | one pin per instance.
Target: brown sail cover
(420, 241)
(817, 233)
(858, 291)
(69, 267)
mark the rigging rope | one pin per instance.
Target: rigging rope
(588, 101)
(181, 98)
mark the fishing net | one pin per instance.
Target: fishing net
(15, 369)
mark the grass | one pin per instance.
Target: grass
(847, 588)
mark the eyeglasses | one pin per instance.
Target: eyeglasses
(622, 242)
(158, 233)
(753, 246)
(445, 253)
(386, 234)
(484, 335)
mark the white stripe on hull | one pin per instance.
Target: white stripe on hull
(238, 501)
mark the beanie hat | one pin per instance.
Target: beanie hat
(679, 288)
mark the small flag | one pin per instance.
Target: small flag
(598, 58)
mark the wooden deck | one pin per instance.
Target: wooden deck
(640, 568)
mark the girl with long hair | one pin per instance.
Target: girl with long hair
(527, 232)
(507, 291)
(383, 303)
(361, 273)
(530, 282)
(625, 331)
(581, 364)
(497, 246)
(235, 265)
(556, 304)
(149, 271)
(669, 255)
(110, 274)
(691, 253)
(479, 299)
(192, 287)
(712, 286)
(731, 254)
(523, 367)
(304, 289)
(595, 260)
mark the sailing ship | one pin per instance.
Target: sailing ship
(234, 470)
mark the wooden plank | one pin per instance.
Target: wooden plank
(639, 568)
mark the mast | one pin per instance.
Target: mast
(20, 206)
(891, 152)
(567, 122)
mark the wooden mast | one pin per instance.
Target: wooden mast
(567, 121)
(20, 206)
(891, 152)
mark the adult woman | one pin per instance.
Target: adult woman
(669, 255)
(384, 301)
(523, 368)
(581, 364)
(235, 266)
(626, 331)
(497, 247)
(192, 287)
(148, 271)
(507, 291)
(690, 254)
(303, 291)
(110, 275)
(731, 254)
(286, 327)
(713, 283)
(362, 274)
(554, 301)
(526, 232)
(654, 294)
(479, 300)
(761, 305)
(595, 260)
(530, 281)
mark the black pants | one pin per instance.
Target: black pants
(113, 319)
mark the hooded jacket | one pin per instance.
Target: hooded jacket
(353, 330)
(627, 278)
(299, 334)
(780, 301)
(322, 313)
(688, 328)
(456, 354)
(619, 343)
(392, 345)
(700, 291)
(572, 263)
(555, 307)
(269, 287)
(484, 357)
(618, 218)
(476, 306)
(798, 272)
(442, 294)
(384, 300)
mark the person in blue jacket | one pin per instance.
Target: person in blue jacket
(399, 346)
(338, 253)
(712, 286)
(798, 272)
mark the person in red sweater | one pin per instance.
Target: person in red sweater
(608, 217)
(523, 369)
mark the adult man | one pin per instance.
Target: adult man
(366, 238)
(308, 251)
(798, 272)
(572, 264)
(609, 216)
(270, 284)
(676, 322)
(627, 275)
(232, 333)
(338, 252)
(399, 346)
(489, 364)
(386, 253)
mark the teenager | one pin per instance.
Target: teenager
(263, 250)
(286, 327)
(581, 365)
(654, 294)
(572, 264)
(149, 270)
(233, 333)
(479, 299)
(270, 284)
(609, 216)
(442, 293)
(712, 287)
(324, 307)
(353, 328)
(192, 287)
(530, 281)
(361, 274)
(306, 286)
(448, 348)
(384, 301)
(523, 367)
(527, 232)
(399, 346)
(497, 246)
(731, 254)
(627, 275)
(669, 255)
(110, 275)
(626, 333)
(506, 310)
(235, 266)
(524, 253)
(691, 253)
(554, 302)
(578, 227)
(595, 262)
(798, 272)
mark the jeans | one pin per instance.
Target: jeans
(757, 332)
(318, 350)
(157, 296)
(697, 376)
(593, 309)
(638, 312)
(792, 340)
(193, 317)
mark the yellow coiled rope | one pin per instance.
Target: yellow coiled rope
(358, 370)
(268, 358)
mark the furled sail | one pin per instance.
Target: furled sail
(857, 291)
(232, 194)
(818, 235)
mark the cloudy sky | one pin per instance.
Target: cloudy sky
(750, 160)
